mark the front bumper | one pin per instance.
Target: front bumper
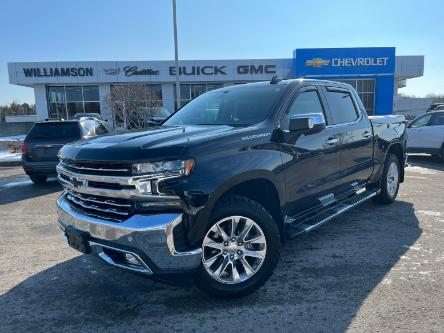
(147, 240)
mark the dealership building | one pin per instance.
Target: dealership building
(63, 89)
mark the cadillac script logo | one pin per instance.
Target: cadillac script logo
(130, 71)
(317, 62)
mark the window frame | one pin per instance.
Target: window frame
(65, 102)
(331, 88)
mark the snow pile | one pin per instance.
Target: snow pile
(10, 148)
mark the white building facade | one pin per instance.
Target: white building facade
(63, 89)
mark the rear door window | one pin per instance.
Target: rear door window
(342, 106)
(54, 130)
(437, 119)
(100, 129)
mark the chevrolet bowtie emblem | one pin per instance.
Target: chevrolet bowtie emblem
(76, 182)
(317, 62)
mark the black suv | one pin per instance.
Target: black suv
(43, 142)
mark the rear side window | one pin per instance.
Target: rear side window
(342, 106)
(54, 130)
(437, 119)
(100, 129)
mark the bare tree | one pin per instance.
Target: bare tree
(16, 109)
(130, 105)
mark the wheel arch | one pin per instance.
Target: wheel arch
(397, 149)
(262, 187)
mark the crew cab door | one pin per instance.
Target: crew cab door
(436, 130)
(310, 160)
(355, 132)
(426, 132)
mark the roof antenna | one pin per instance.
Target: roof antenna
(275, 79)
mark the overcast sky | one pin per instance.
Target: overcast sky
(54, 30)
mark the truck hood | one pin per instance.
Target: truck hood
(152, 144)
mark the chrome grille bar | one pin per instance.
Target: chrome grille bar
(95, 207)
(96, 200)
(73, 166)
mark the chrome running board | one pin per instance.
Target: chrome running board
(297, 227)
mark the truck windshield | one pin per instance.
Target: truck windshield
(239, 106)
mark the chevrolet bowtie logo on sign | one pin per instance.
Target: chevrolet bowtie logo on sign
(317, 62)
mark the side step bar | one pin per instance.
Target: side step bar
(298, 227)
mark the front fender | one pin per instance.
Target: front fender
(201, 219)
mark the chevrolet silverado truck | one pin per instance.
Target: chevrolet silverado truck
(217, 188)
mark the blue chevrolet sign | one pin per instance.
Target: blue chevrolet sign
(344, 61)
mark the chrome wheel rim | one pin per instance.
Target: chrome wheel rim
(392, 179)
(234, 249)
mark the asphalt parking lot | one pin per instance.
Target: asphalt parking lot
(375, 269)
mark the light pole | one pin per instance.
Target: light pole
(176, 57)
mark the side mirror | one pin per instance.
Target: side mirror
(307, 123)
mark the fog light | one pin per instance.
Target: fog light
(131, 259)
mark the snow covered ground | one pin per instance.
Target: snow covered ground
(12, 138)
(9, 148)
(8, 157)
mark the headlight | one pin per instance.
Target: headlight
(179, 167)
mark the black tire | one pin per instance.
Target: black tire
(386, 196)
(38, 179)
(241, 206)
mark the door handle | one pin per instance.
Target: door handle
(331, 141)
(366, 134)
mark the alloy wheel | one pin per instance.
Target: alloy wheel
(392, 179)
(234, 249)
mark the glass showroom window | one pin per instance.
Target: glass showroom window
(144, 95)
(191, 91)
(136, 99)
(366, 91)
(66, 101)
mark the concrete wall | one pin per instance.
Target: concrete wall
(21, 119)
(10, 129)
(411, 107)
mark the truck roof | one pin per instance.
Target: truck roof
(284, 82)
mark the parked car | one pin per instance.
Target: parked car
(435, 106)
(156, 116)
(78, 116)
(217, 189)
(43, 142)
(439, 108)
(425, 134)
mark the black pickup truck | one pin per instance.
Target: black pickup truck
(222, 183)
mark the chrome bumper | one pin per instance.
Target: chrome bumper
(147, 239)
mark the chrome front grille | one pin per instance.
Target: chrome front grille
(108, 193)
(110, 209)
